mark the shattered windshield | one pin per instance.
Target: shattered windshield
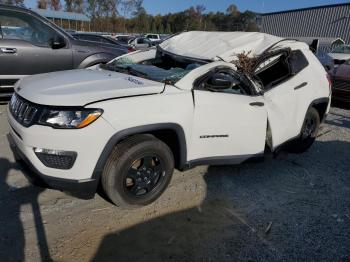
(161, 69)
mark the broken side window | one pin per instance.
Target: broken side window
(273, 71)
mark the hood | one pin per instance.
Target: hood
(80, 87)
(218, 45)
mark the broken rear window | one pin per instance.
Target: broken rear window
(277, 69)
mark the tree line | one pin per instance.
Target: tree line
(130, 16)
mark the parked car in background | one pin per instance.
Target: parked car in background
(340, 54)
(341, 82)
(127, 124)
(102, 40)
(153, 37)
(124, 39)
(140, 43)
(325, 59)
(31, 44)
(70, 31)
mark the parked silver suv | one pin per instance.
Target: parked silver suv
(31, 44)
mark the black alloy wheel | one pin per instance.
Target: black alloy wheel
(308, 133)
(144, 175)
(310, 127)
(137, 171)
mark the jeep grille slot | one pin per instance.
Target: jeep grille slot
(23, 111)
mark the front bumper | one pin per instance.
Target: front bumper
(88, 143)
(84, 189)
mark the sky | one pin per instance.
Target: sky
(261, 6)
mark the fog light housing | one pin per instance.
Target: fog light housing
(57, 159)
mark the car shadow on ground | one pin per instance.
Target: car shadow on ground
(339, 120)
(12, 237)
(340, 104)
(285, 209)
(293, 208)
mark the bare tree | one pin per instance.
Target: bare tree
(55, 5)
(232, 10)
(41, 4)
(200, 9)
(76, 6)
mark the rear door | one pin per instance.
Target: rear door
(281, 83)
(25, 47)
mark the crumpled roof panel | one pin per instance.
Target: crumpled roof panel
(218, 45)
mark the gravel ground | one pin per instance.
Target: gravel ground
(291, 208)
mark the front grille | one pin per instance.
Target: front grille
(22, 110)
(342, 85)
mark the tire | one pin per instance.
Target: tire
(308, 133)
(141, 161)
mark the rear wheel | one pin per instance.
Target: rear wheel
(308, 133)
(138, 171)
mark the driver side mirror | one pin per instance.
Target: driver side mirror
(220, 81)
(57, 42)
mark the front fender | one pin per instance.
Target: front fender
(119, 136)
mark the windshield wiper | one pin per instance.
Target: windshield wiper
(124, 69)
(135, 72)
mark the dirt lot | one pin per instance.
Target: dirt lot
(292, 208)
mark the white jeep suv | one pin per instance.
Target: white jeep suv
(129, 123)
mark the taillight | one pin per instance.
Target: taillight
(329, 81)
(130, 49)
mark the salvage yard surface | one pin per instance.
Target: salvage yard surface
(291, 208)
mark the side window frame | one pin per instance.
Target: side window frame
(300, 63)
(196, 84)
(274, 84)
(292, 70)
(39, 20)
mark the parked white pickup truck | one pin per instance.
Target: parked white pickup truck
(129, 123)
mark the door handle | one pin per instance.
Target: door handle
(300, 86)
(8, 50)
(257, 104)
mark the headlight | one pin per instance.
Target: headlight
(73, 119)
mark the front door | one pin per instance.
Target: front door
(229, 123)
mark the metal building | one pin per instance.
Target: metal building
(330, 21)
(66, 20)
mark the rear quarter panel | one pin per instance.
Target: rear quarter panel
(318, 87)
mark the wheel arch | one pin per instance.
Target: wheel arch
(95, 59)
(321, 106)
(170, 133)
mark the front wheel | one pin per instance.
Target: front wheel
(308, 133)
(138, 171)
